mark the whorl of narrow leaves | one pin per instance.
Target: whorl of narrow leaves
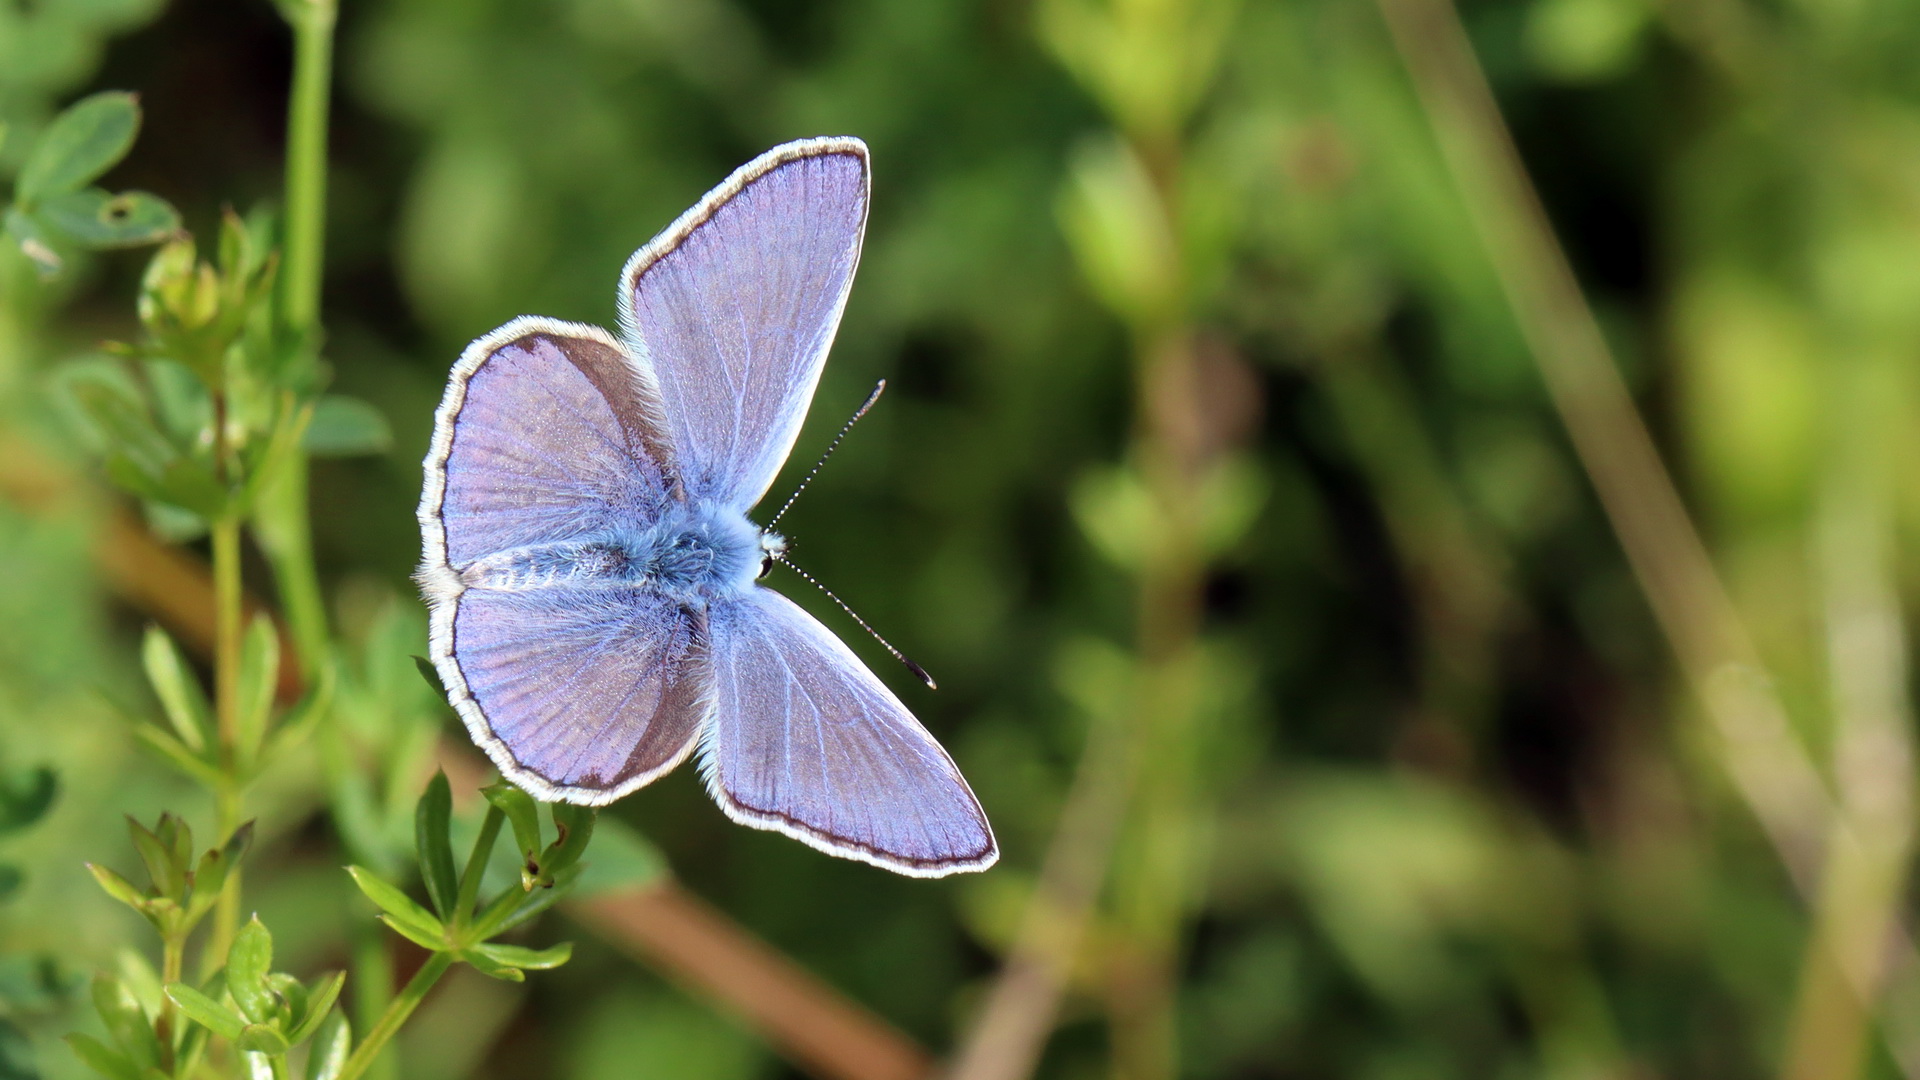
(457, 925)
(180, 889)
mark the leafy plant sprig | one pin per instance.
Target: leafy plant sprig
(458, 928)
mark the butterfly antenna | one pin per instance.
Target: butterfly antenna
(918, 671)
(815, 471)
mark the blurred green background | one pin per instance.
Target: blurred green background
(1420, 791)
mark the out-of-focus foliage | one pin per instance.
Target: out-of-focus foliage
(1459, 818)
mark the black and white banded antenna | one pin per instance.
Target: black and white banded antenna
(918, 671)
(780, 556)
(831, 447)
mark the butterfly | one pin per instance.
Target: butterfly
(593, 578)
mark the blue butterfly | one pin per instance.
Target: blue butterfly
(590, 567)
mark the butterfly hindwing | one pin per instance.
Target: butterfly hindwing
(807, 741)
(582, 694)
(735, 305)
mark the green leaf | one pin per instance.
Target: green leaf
(522, 813)
(11, 879)
(249, 961)
(403, 910)
(346, 427)
(299, 721)
(428, 673)
(108, 1063)
(185, 482)
(210, 876)
(320, 998)
(492, 968)
(573, 828)
(122, 419)
(126, 1022)
(118, 887)
(33, 241)
(25, 802)
(415, 933)
(181, 697)
(331, 1048)
(93, 218)
(168, 879)
(87, 139)
(177, 835)
(259, 677)
(261, 1039)
(431, 819)
(182, 758)
(206, 1012)
(530, 959)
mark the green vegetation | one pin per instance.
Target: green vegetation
(1407, 507)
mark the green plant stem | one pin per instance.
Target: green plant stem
(372, 982)
(396, 1014)
(284, 519)
(476, 866)
(173, 949)
(306, 179)
(226, 635)
(226, 686)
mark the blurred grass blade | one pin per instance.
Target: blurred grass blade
(259, 678)
(181, 697)
(346, 427)
(96, 1056)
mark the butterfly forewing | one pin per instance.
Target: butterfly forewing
(544, 435)
(735, 306)
(807, 741)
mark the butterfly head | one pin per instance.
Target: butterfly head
(773, 548)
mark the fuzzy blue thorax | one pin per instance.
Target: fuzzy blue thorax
(693, 554)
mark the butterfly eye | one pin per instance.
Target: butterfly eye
(766, 566)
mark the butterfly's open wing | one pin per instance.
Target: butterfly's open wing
(548, 434)
(581, 694)
(735, 305)
(805, 740)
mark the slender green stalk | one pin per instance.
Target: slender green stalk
(306, 179)
(173, 949)
(283, 519)
(226, 684)
(397, 1012)
(371, 978)
(226, 635)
